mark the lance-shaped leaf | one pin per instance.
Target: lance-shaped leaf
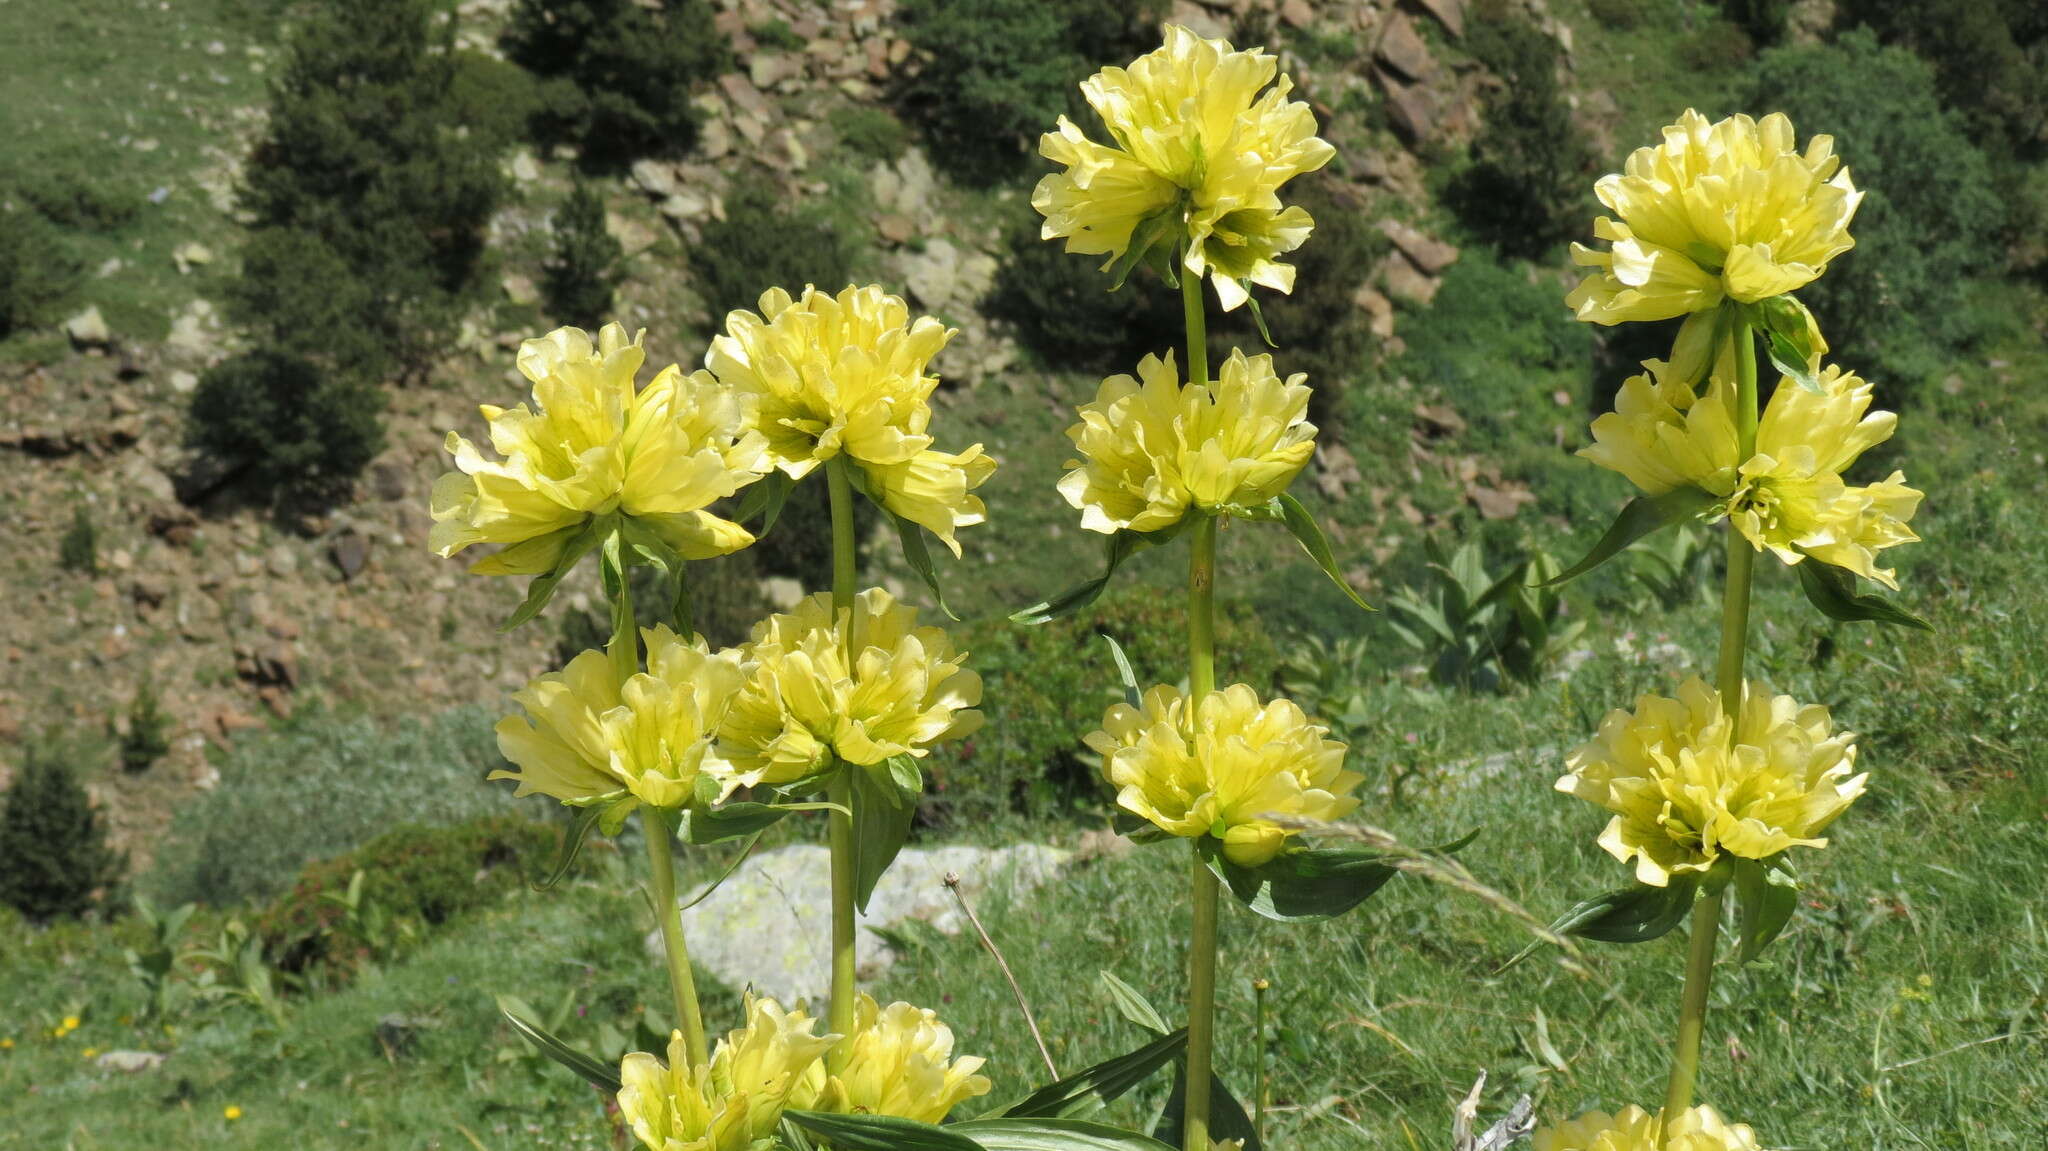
(572, 846)
(1305, 884)
(702, 825)
(1765, 898)
(1642, 516)
(1088, 1091)
(884, 801)
(1117, 548)
(1054, 1135)
(1833, 591)
(1124, 672)
(1132, 1004)
(645, 547)
(879, 1132)
(1788, 339)
(600, 1075)
(1309, 535)
(1227, 1118)
(1160, 229)
(765, 498)
(1634, 914)
(542, 587)
(919, 557)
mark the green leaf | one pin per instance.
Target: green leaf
(879, 1132)
(1765, 898)
(702, 825)
(1833, 591)
(1124, 671)
(882, 812)
(1227, 1118)
(542, 587)
(1302, 885)
(1642, 516)
(1150, 232)
(1258, 314)
(1633, 914)
(650, 549)
(1116, 549)
(1085, 1092)
(1054, 1135)
(1790, 360)
(765, 498)
(710, 888)
(1135, 828)
(572, 846)
(1788, 339)
(1310, 535)
(919, 557)
(600, 1075)
(1132, 1004)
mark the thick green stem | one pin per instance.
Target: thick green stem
(1202, 606)
(1197, 326)
(1692, 1011)
(1706, 914)
(840, 1014)
(1201, 1008)
(682, 983)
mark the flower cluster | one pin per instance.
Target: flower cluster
(1688, 784)
(1202, 137)
(899, 1061)
(1789, 496)
(1633, 1129)
(1152, 448)
(856, 686)
(589, 737)
(1723, 210)
(734, 1100)
(593, 445)
(1224, 766)
(848, 374)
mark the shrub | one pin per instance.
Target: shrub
(1762, 21)
(76, 197)
(1045, 687)
(583, 270)
(54, 858)
(869, 131)
(619, 74)
(421, 873)
(1524, 187)
(995, 74)
(495, 97)
(1620, 14)
(1987, 60)
(286, 427)
(369, 193)
(79, 550)
(37, 270)
(764, 241)
(148, 736)
(1065, 314)
(1929, 220)
(317, 786)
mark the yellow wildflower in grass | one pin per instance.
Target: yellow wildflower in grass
(1685, 791)
(861, 686)
(1633, 1129)
(1198, 134)
(1223, 767)
(593, 445)
(231, 1113)
(1790, 496)
(828, 374)
(900, 1062)
(1151, 448)
(733, 1100)
(586, 736)
(1722, 210)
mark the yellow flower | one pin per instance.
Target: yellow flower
(71, 1023)
(1686, 790)
(88, 1053)
(1223, 767)
(593, 445)
(1633, 1129)
(863, 686)
(900, 1062)
(7, 1043)
(586, 736)
(1790, 496)
(1151, 448)
(1199, 136)
(1723, 210)
(231, 1113)
(848, 373)
(733, 1100)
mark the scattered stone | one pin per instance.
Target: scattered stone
(1449, 13)
(1338, 470)
(1430, 255)
(183, 382)
(190, 255)
(1411, 109)
(130, 1062)
(1375, 304)
(1402, 50)
(1439, 420)
(1101, 843)
(1499, 503)
(1406, 282)
(772, 69)
(350, 553)
(689, 204)
(905, 188)
(896, 228)
(942, 277)
(525, 168)
(281, 560)
(769, 925)
(88, 329)
(520, 289)
(1297, 13)
(655, 177)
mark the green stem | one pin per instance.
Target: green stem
(1706, 914)
(681, 982)
(1201, 1008)
(1201, 681)
(840, 1014)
